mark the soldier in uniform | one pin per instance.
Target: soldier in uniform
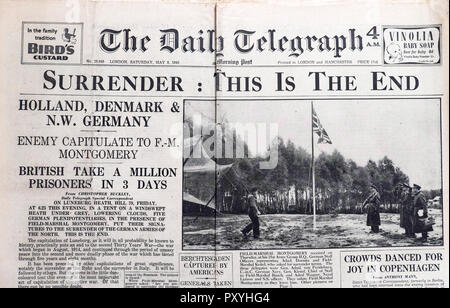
(253, 213)
(373, 209)
(406, 210)
(419, 203)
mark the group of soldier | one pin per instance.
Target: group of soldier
(413, 211)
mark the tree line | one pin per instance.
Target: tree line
(341, 185)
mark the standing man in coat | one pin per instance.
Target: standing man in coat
(253, 213)
(373, 209)
(406, 205)
(420, 203)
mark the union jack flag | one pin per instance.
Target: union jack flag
(319, 130)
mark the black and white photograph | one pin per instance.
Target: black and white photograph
(312, 174)
(212, 146)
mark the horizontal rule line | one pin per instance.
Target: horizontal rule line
(328, 96)
(106, 95)
(245, 66)
(123, 65)
(222, 65)
(250, 96)
(298, 65)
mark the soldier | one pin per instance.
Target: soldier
(253, 213)
(406, 204)
(420, 203)
(373, 212)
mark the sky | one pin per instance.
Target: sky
(406, 130)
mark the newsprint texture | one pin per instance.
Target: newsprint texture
(220, 144)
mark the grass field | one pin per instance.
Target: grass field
(296, 231)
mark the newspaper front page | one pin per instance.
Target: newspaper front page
(224, 144)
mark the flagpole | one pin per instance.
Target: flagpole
(313, 167)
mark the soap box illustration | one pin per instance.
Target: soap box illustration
(411, 45)
(52, 43)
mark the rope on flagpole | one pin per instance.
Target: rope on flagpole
(313, 168)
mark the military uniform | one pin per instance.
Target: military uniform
(418, 222)
(406, 212)
(373, 210)
(253, 214)
(402, 210)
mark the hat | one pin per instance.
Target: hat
(418, 187)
